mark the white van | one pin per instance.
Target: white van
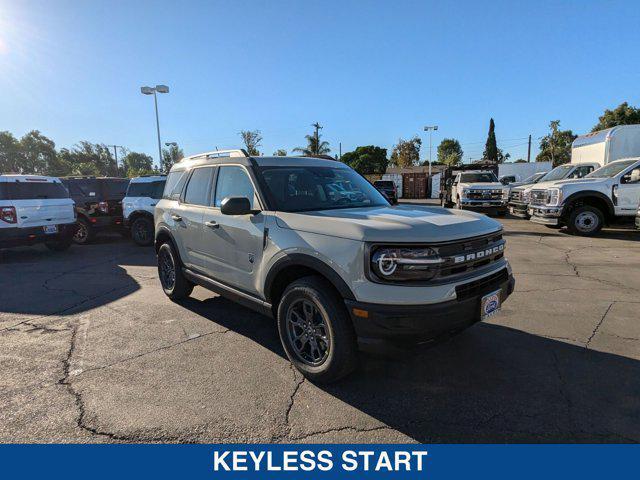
(35, 209)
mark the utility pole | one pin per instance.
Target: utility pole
(529, 150)
(115, 152)
(317, 126)
(340, 148)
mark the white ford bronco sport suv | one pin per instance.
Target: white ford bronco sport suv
(138, 205)
(35, 209)
(331, 266)
(607, 195)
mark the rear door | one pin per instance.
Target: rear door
(39, 202)
(232, 244)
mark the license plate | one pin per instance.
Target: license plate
(49, 229)
(490, 305)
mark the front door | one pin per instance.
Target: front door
(628, 193)
(233, 243)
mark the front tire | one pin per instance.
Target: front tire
(84, 232)
(316, 331)
(585, 221)
(142, 231)
(174, 284)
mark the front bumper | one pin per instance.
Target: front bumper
(519, 209)
(545, 215)
(638, 222)
(483, 205)
(19, 237)
(419, 323)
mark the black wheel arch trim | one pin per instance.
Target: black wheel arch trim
(308, 261)
(590, 193)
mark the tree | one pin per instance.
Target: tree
(315, 147)
(450, 152)
(170, 155)
(406, 153)
(556, 146)
(623, 114)
(503, 157)
(136, 164)
(491, 148)
(366, 160)
(10, 154)
(281, 152)
(252, 140)
(520, 160)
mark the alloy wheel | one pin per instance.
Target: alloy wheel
(308, 333)
(166, 269)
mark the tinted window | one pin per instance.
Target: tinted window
(197, 192)
(296, 189)
(145, 189)
(233, 182)
(83, 188)
(384, 183)
(32, 190)
(174, 184)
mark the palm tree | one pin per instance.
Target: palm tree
(315, 147)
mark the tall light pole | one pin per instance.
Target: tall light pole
(430, 129)
(153, 91)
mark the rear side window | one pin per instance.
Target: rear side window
(197, 192)
(115, 188)
(146, 189)
(174, 184)
(32, 190)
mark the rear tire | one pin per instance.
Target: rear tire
(142, 231)
(316, 331)
(59, 245)
(174, 284)
(585, 221)
(84, 232)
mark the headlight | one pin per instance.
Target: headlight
(394, 264)
(554, 197)
(505, 193)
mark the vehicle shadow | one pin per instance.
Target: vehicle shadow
(35, 281)
(490, 384)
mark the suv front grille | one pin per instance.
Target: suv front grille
(469, 255)
(539, 197)
(516, 195)
(482, 286)
(484, 194)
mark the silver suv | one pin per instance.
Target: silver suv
(313, 244)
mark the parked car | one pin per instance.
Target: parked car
(138, 204)
(608, 195)
(477, 189)
(388, 188)
(264, 232)
(638, 218)
(35, 209)
(98, 205)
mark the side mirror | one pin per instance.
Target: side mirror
(504, 181)
(235, 206)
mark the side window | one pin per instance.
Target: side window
(632, 176)
(174, 184)
(581, 172)
(197, 192)
(233, 182)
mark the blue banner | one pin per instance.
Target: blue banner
(320, 461)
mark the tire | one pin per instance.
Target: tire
(59, 245)
(142, 231)
(585, 221)
(312, 304)
(174, 284)
(84, 233)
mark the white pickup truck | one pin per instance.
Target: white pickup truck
(607, 195)
(479, 190)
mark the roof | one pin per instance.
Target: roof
(600, 135)
(149, 179)
(27, 178)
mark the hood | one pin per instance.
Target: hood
(579, 181)
(483, 186)
(405, 223)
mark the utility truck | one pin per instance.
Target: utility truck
(474, 187)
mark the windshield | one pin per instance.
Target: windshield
(610, 170)
(533, 178)
(299, 189)
(485, 177)
(557, 173)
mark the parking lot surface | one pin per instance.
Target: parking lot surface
(92, 351)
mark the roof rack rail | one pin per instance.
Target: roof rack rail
(238, 152)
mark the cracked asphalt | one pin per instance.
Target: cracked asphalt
(92, 351)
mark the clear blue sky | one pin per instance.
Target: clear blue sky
(370, 72)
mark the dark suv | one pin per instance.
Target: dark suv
(388, 188)
(98, 204)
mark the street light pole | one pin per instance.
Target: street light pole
(430, 129)
(155, 90)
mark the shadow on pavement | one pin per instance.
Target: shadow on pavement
(489, 384)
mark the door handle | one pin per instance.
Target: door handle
(177, 218)
(212, 224)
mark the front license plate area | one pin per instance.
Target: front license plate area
(50, 229)
(490, 305)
